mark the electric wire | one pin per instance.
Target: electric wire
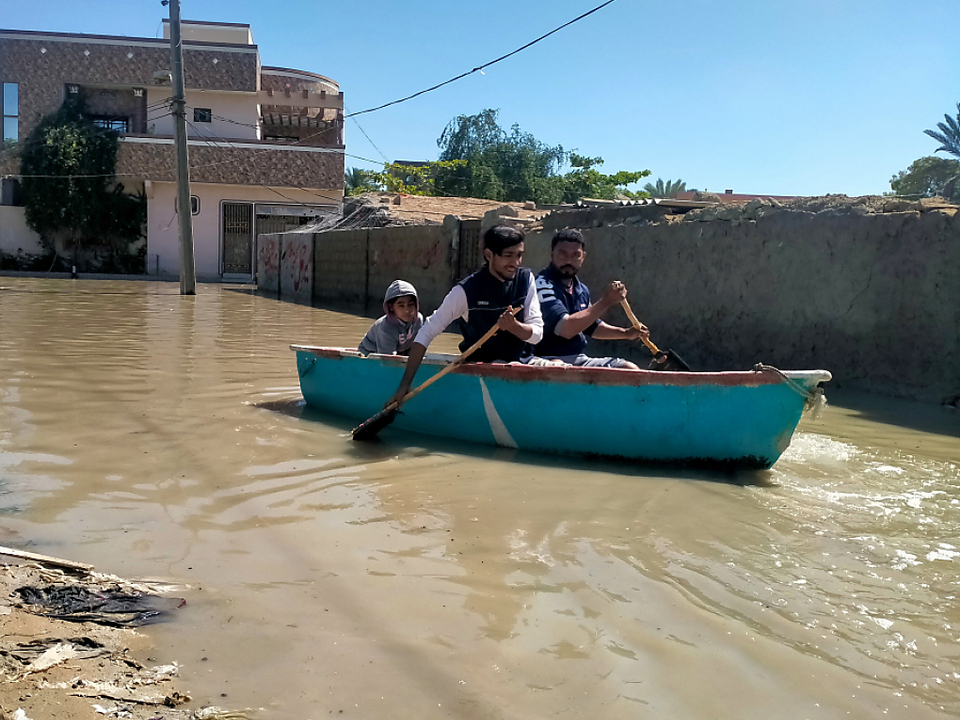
(480, 67)
(360, 112)
(334, 151)
(299, 141)
(369, 140)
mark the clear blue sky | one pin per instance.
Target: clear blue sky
(759, 96)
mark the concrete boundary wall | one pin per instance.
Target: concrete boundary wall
(869, 292)
(353, 268)
(340, 267)
(297, 266)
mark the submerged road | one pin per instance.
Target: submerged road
(161, 436)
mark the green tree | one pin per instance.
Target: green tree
(499, 165)
(411, 179)
(357, 181)
(70, 191)
(516, 166)
(927, 177)
(585, 181)
(661, 189)
(949, 135)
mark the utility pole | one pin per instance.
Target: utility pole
(188, 272)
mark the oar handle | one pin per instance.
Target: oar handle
(636, 323)
(455, 364)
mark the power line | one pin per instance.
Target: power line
(480, 67)
(355, 122)
(331, 150)
(164, 101)
(72, 177)
(360, 157)
(197, 131)
(231, 161)
(298, 142)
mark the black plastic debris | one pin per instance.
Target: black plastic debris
(103, 606)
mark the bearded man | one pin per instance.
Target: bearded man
(569, 318)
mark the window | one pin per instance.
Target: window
(194, 205)
(111, 122)
(202, 115)
(11, 112)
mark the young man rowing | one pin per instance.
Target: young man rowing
(482, 300)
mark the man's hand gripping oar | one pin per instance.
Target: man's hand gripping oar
(668, 360)
(368, 429)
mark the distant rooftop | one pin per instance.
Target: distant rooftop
(729, 197)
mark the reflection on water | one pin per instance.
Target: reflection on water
(161, 436)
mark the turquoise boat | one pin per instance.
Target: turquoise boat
(730, 419)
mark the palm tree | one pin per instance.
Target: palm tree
(666, 189)
(949, 139)
(949, 135)
(356, 181)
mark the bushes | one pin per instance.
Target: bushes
(70, 193)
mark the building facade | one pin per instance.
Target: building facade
(265, 144)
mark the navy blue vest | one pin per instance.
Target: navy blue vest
(555, 303)
(487, 298)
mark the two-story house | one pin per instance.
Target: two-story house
(265, 143)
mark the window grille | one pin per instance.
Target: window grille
(120, 124)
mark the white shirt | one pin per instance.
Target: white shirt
(454, 306)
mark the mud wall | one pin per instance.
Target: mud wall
(872, 296)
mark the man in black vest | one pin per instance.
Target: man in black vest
(482, 300)
(568, 315)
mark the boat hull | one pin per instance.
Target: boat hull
(736, 419)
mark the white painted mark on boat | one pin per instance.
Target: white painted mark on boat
(500, 432)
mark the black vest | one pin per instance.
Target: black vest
(487, 298)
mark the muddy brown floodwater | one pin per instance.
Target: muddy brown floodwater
(157, 436)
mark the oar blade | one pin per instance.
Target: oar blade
(678, 362)
(368, 429)
(668, 361)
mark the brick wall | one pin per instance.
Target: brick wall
(296, 266)
(295, 82)
(42, 63)
(418, 254)
(354, 267)
(276, 166)
(340, 267)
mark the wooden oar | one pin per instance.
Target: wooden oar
(668, 360)
(368, 429)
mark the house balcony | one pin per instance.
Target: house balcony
(299, 106)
